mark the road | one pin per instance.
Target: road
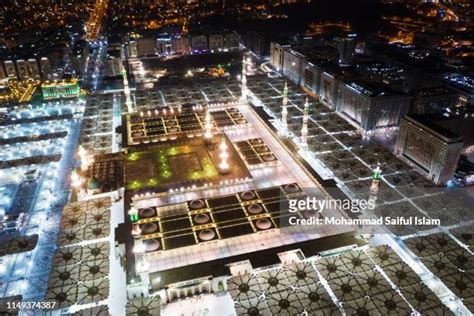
(94, 24)
(95, 65)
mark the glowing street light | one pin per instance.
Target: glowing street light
(133, 213)
(284, 110)
(86, 158)
(126, 88)
(224, 155)
(244, 80)
(76, 180)
(208, 125)
(304, 129)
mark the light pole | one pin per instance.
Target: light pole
(126, 89)
(243, 97)
(304, 129)
(224, 155)
(284, 109)
(208, 125)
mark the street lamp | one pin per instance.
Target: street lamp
(208, 125)
(224, 155)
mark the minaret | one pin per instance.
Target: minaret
(208, 125)
(126, 89)
(284, 109)
(243, 98)
(374, 188)
(134, 217)
(133, 214)
(304, 129)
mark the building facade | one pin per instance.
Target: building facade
(216, 42)
(292, 65)
(3, 73)
(180, 45)
(146, 46)
(199, 43)
(432, 150)
(132, 49)
(232, 40)
(370, 107)
(276, 55)
(10, 69)
(434, 100)
(346, 47)
(329, 88)
(45, 67)
(163, 46)
(311, 78)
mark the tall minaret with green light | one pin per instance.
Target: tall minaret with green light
(126, 89)
(284, 109)
(374, 188)
(304, 129)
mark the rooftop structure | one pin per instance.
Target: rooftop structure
(57, 90)
(203, 191)
(170, 164)
(371, 106)
(184, 120)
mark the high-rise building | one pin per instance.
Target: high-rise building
(292, 65)
(258, 43)
(329, 87)
(276, 55)
(79, 57)
(231, 40)
(114, 64)
(433, 144)
(311, 78)
(371, 106)
(33, 69)
(199, 43)
(346, 47)
(180, 45)
(22, 67)
(216, 42)
(45, 67)
(10, 69)
(464, 84)
(132, 49)
(434, 100)
(163, 45)
(310, 67)
(146, 46)
(3, 73)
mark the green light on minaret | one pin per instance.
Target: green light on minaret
(376, 173)
(134, 218)
(285, 90)
(306, 107)
(133, 214)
